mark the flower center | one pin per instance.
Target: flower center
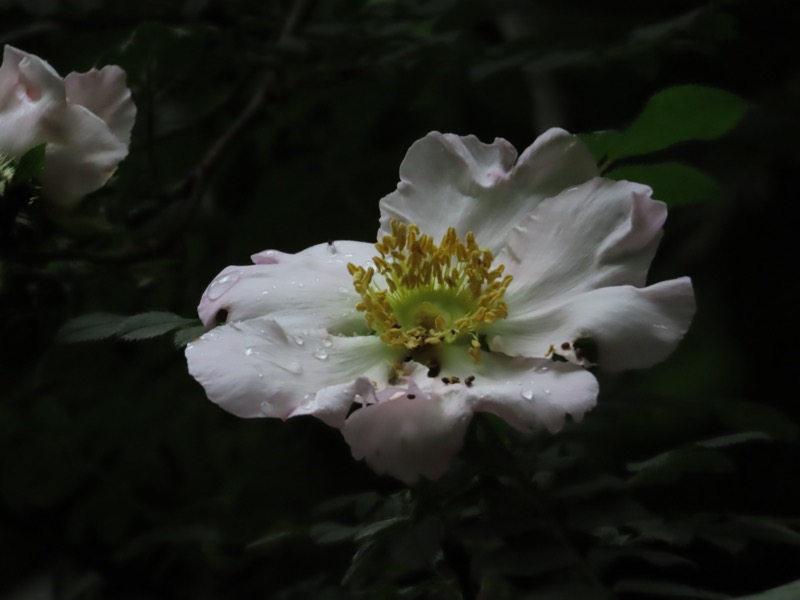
(419, 294)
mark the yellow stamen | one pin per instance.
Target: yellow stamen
(426, 294)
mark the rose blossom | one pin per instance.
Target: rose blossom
(496, 281)
(85, 119)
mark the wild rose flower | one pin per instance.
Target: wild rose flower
(85, 119)
(496, 281)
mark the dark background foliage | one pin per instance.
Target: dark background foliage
(279, 125)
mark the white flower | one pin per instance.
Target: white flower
(85, 119)
(497, 279)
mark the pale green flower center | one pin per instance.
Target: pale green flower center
(419, 295)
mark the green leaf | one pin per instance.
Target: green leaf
(735, 439)
(668, 589)
(187, 334)
(601, 558)
(681, 114)
(150, 324)
(273, 540)
(678, 114)
(328, 532)
(674, 183)
(766, 529)
(360, 560)
(670, 466)
(30, 165)
(374, 529)
(95, 326)
(790, 591)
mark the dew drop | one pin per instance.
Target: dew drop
(547, 392)
(264, 293)
(308, 402)
(320, 353)
(527, 394)
(265, 408)
(327, 343)
(249, 352)
(293, 367)
(222, 284)
(298, 340)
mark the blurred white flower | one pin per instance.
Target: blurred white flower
(85, 119)
(496, 281)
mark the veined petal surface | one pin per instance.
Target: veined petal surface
(600, 233)
(29, 91)
(105, 93)
(308, 290)
(447, 180)
(257, 368)
(527, 393)
(633, 327)
(416, 432)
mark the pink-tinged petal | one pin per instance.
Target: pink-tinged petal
(447, 180)
(82, 153)
(536, 394)
(38, 78)
(411, 434)
(29, 91)
(633, 327)
(105, 93)
(310, 289)
(598, 234)
(259, 369)
(527, 393)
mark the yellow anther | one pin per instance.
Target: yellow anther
(419, 294)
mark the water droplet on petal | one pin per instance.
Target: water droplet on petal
(327, 343)
(320, 353)
(294, 368)
(266, 408)
(298, 340)
(547, 391)
(264, 293)
(542, 369)
(222, 284)
(308, 402)
(527, 394)
(248, 352)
